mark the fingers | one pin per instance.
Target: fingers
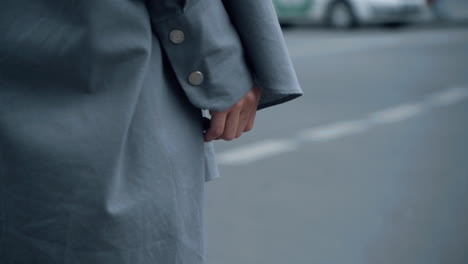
(236, 120)
(218, 121)
(244, 118)
(250, 122)
(225, 125)
(247, 118)
(232, 124)
(251, 118)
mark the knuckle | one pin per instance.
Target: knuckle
(239, 104)
(217, 132)
(245, 118)
(228, 137)
(251, 97)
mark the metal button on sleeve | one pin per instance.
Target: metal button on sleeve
(176, 36)
(196, 78)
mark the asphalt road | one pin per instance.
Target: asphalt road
(369, 166)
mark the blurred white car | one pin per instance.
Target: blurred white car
(350, 13)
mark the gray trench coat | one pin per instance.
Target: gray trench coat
(102, 157)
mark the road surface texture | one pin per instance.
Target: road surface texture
(369, 166)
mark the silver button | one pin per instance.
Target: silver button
(177, 36)
(196, 78)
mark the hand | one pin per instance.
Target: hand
(236, 120)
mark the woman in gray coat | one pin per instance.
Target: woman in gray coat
(103, 154)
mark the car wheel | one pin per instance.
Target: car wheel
(341, 15)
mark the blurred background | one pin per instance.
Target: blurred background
(371, 164)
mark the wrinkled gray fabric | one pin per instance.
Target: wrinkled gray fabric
(102, 158)
(266, 51)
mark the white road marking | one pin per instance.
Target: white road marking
(256, 151)
(448, 97)
(326, 133)
(334, 131)
(398, 113)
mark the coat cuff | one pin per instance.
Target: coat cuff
(206, 54)
(258, 27)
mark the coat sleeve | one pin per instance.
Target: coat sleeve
(257, 24)
(214, 54)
